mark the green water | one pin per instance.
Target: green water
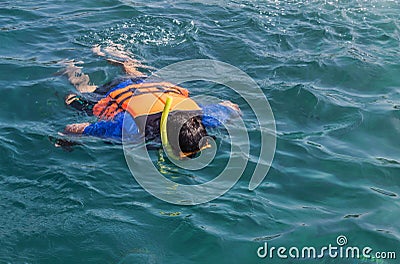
(330, 71)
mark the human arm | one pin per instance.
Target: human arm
(106, 128)
(77, 128)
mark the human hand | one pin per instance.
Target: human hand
(76, 128)
(231, 105)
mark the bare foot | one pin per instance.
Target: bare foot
(78, 78)
(113, 50)
(76, 128)
(118, 51)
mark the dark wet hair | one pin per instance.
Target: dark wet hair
(189, 126)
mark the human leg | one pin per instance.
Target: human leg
(120, 57)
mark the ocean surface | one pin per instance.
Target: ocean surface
(331, 73)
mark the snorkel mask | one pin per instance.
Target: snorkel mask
(164, 135)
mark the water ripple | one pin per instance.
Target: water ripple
(328, 68)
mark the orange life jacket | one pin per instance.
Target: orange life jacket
(143, 100)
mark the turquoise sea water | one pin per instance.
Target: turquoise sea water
(330, 70)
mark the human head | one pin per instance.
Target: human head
(188, 125)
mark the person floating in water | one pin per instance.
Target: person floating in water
(144, 103)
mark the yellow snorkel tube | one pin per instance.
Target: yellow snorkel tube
(163, 128)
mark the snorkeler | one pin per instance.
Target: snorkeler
(144, 103)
